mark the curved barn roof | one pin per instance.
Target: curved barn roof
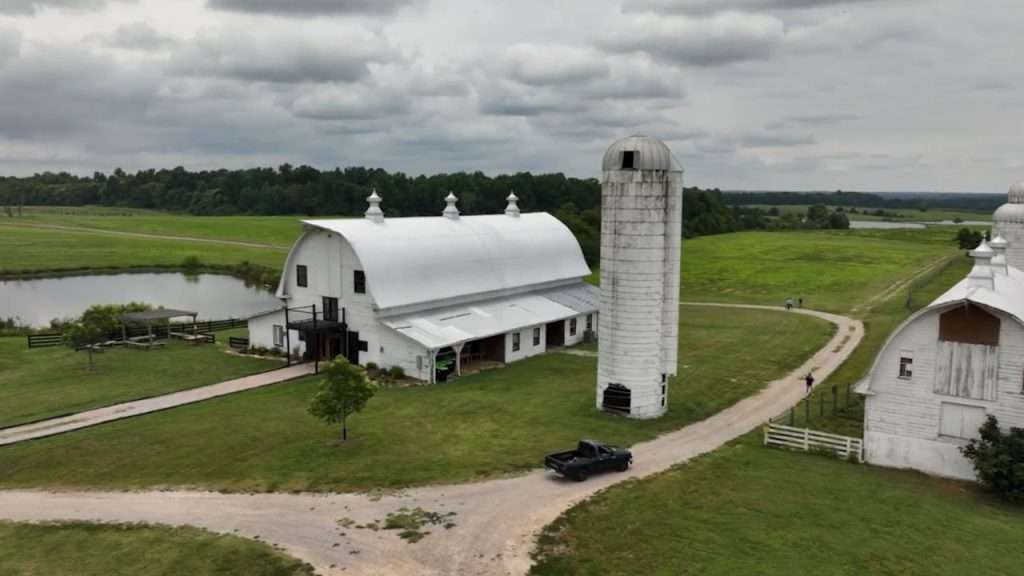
(412, 261)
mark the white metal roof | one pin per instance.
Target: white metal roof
(443, 327)
(411, 261)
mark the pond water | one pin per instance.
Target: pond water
(35, 302)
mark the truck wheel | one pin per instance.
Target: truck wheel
(624, 466)
(581, 475)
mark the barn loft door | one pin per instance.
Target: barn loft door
(967, 370)
(969, 324)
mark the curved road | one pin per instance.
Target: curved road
(495, 521)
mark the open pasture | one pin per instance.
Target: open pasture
(835, 271)
(83, 549)
(25, 250)
(479, 426)
(745, 509)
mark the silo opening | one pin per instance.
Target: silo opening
(617, 398)
(629, 160)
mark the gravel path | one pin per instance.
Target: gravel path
(495, 521)
(89, 418)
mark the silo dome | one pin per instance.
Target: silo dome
(1013, 211)
(639, 153)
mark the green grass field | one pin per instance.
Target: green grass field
(43, 383)
(82, 549)
(479, 426)
(745, 509)
(831, 270)
(275, 230)
(25, 249)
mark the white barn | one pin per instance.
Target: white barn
(433, 295)
(948, 367)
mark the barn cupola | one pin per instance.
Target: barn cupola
(513, 205)
(374, 212)
(451, 211)
(981, 275)
(999, 245)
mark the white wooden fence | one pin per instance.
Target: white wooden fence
(807, 440)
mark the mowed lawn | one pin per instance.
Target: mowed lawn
(744, 509)
(41, 383)
(82, 549)
(830, 270)
(24, 249)
(275, 230)
(488, 424)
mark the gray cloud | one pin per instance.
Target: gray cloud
(542, 65)
(775, 139)
(703, 7)
(139, 36)
(282, 56)
(358, 102)
(10, 44)
(301, 8)
(714, 41)
(23, 7)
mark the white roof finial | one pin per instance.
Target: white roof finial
(998, 262)
(981, 275)
(451, 211)
(374, 212)
(513, 205)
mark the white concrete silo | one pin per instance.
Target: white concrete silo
(641, 240)
(1008, 222)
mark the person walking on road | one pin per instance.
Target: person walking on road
(809, 379)
(789, 303)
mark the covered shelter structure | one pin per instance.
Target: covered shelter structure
(148, 317)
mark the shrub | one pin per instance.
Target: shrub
(191, 263)
(396, 372)
(998, 459)
(371, 367)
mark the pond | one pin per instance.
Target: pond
(215, 297)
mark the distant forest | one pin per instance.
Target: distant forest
(304, 190)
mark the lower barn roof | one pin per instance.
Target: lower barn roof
(450, 326)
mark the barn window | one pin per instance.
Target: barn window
(906, 366)
(536, 336)
(359, 282)
(301, 276)
(278, 335)
(629, 160)
(515, 341)
(572, 327)
(330, 309)
(617, 398)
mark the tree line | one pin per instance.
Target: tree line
(307, 191)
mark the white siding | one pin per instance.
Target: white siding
(526, 347)
(401, 351)
(261, 333)
(908, 425)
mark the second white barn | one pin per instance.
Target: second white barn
(432, 295)
(946, 369)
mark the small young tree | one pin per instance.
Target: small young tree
(998, 459)
(344, 391)
(83, 334)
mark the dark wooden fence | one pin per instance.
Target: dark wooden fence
(238, 343)
(160, 331)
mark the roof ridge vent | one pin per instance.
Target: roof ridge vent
(451, 211)
(374, 212)
(513, 205)
(981, 275)
(998, 263)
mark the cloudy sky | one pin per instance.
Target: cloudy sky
(749, 94)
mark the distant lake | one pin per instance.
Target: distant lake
(214, 297)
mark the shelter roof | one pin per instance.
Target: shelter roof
(449, 326)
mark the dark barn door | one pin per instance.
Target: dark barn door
(352, 351)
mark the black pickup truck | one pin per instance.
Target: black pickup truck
(588, 457)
